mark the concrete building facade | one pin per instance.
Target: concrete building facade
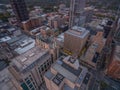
(76, 13)
(75, 39)
(113, 69)
(20, 10)
(90, 57)
(7, 81)
(28, 68)
(67, 74)
(32, 23)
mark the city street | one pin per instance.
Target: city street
(99, 76)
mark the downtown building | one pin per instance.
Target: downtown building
(46, 40)
(67, 74)
(7, 81)
(91, 56)
(75, 40)
(113, 69)
(20, 10)
(76, 13)
(56, 21)
(28, 68)
(32, 23)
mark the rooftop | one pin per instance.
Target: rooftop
(36, 17)
(21, 43)
(68, 71)
(98, 24)
(61, 37)
(58, 79)
(78, 31)
(67, 74)
(29, 58)
(48, 40)
(4, 39)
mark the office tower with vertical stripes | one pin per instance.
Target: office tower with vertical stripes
(76, 12)
(20, 10)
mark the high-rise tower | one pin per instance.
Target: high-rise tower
(20, 10)
(76, 11)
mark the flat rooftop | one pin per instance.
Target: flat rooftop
(48, 40)
(61, 37)
(21, 43)
(30, 57)
(58, 79)
(4, 39)
(78, 31)
(72, 70)
(68, 71)
(62, 72)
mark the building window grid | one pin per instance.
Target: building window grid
(30, 83)
(42, 69)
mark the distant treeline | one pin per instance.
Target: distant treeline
(42, 3)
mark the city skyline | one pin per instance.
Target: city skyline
(59, 45)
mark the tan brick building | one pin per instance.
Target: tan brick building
(113, 69)
(75, 39)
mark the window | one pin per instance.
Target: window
(45, 66)
(26, 79)
(42, 68)
(30, 85)
(48, 63)
(31, 79)
(33, 83)
(28, 82)
(30, 76)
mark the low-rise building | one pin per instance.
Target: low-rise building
(37, 11)
(63, 9)
(60, 40)
(32, 23)
(21, 44)
(55, 21)
(90, 57)
(48, 42)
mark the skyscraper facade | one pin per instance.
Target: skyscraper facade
(20, 10)
(28, 68)
(76, 11)
(113, 69)
(75, 39)
(67, 74)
